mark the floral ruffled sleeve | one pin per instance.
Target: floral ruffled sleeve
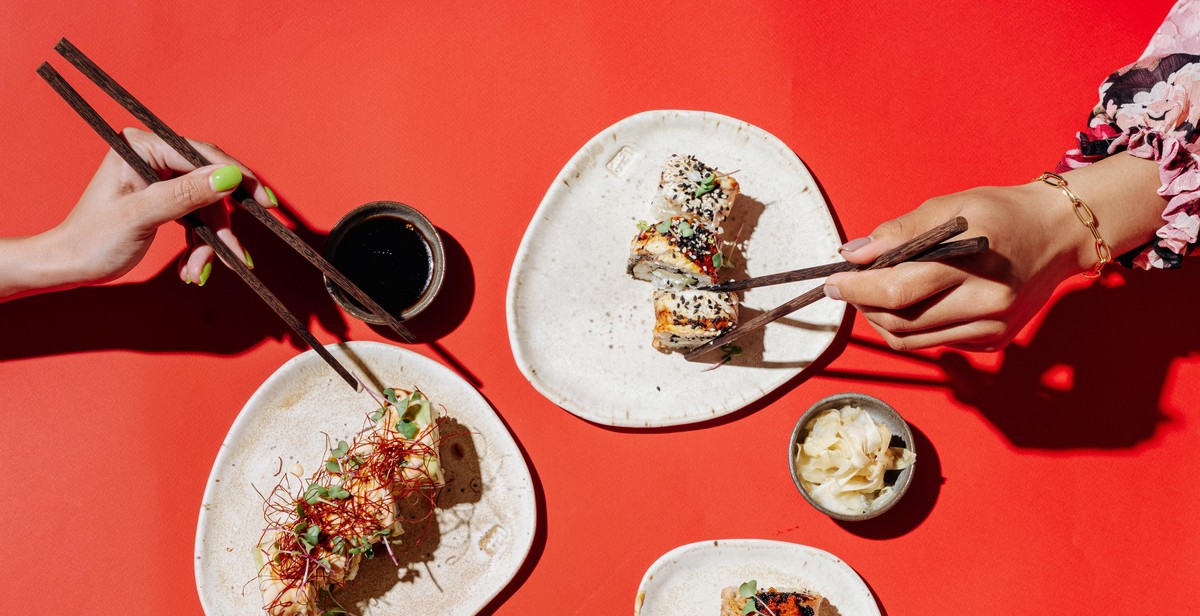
(1151, 109)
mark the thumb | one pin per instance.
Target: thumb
(891, 234)
(172, 199)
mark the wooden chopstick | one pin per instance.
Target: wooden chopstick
(85, 65)
(949, 250)
(193, 221)
(900, 254)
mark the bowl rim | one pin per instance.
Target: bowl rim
(408, 214)
(872, 405)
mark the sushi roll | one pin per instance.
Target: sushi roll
(688, 187)
(687, 318)
(675, 253)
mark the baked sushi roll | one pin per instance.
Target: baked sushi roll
(771, 601)
(688, 187)
(686, 318)
(347, 510)
(675, 253)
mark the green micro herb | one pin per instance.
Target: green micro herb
(340, 450)
(315, 493)
(718, 261)
(730, 351)
(685, 229)
(332, 466)
(338, 492)
(643, 225)
(664, 227)
(391, 395)
(707, 184)
(378, 414)
(407, 428)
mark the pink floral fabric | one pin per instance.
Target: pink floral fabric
(1151, 109)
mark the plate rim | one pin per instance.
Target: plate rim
(709, 544)
(243, 418)
(557, 186)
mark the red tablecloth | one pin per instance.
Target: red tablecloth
(1054, 478)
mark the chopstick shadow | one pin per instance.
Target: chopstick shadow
(817, 366)
(1090, 377)
(224, 317)
(448, 310)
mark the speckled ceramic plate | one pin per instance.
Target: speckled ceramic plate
(580, 327)
(485, 516)
(689, 579)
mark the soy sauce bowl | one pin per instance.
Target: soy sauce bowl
(379, 267)
(881, 413)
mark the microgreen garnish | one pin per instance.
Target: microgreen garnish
(391, 395)
(364, 547)
(730, 351)
(314, 493)
(685, 229)
(747, 590)
(310, 538)
(663, 227)
(338, 544)
(340, 450)
(324, 562)
(407, 428)
(718, 261)
(332, 466)
(707, 184)
(643, 225)
(333, 611)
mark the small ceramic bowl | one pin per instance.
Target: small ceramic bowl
(882, 413)
(424, 228)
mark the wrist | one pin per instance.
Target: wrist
(36, 264)
(1067, 246)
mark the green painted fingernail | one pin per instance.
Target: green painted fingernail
(205, 272)
(271, 196)
(249, 261)
(225, 178)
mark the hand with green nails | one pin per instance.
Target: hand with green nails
(111, 227)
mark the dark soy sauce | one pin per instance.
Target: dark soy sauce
(389, 259)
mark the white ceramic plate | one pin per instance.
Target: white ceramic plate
(485, 518)
(580, 327)
(689, 579)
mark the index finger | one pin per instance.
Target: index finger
(164, 158)
(894, 287)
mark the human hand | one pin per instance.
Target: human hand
(980, 303)
(112, 225)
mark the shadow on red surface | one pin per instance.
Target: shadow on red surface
(1093, 375)
(225, 317)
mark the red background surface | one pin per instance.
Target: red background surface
(1056, 475)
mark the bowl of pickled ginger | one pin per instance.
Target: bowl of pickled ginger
(851, 456)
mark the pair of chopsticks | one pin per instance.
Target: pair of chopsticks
(77, 58)
(925, 247)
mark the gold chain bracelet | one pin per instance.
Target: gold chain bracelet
(1085, 216)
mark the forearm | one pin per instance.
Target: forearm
(35, 264)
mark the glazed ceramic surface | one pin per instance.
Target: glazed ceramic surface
(483, 523)
(689, 579)
(580, 327)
